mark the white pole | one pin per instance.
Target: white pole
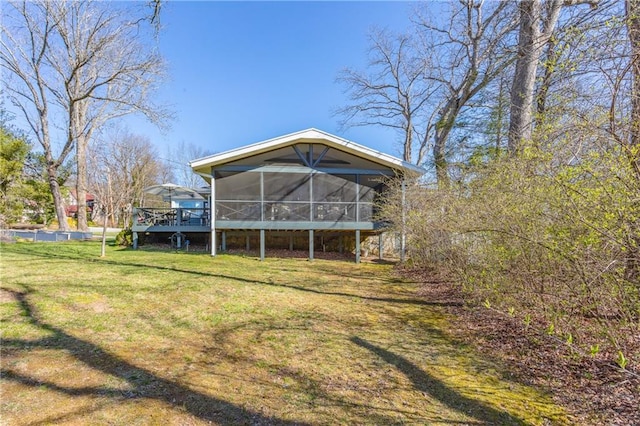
(212, 214)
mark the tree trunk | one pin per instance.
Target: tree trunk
(52, 175)
(632, 272)
(81, 183)
(633, 26)
(440, 160)
(78, 120)
(531, 41)
(525, 74)
(103, 245)
(551, 62)
(408, 140)
(443, 129)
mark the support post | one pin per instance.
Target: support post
(248, 242)
(224, 241)
(135, 240)
(310, 244)
(212, 212)
(291, 242)
(262, 244)
(403, 236)
(380, 246)
(357, 246)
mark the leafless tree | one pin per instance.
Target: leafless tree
(121, 165)
(180, 156)
(80, 63)
(585, 44)
(633, 30)
(421, 85)
(473, 48)
(538, 19)
(392, 92)
(632, 9)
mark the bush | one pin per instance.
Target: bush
(125, 238)
(540, 237)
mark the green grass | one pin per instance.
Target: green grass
(151, 337)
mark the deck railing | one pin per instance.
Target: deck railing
(143, 216)
(292, 211)
(255, 211)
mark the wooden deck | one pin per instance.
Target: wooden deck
(171, 220)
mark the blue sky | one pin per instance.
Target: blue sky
(242, 72)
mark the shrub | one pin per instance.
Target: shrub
(125, 238)
(549, 237)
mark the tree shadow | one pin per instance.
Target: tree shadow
(143, 384)
(407, 301)
(425, 382)
(323, 392)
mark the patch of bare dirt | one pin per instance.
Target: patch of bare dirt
(7, 296)
(593, 391)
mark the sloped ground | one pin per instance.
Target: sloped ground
(594, 391)
(151, 337)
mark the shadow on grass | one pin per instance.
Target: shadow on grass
(143, 383)
(425, 382)
(407, 301)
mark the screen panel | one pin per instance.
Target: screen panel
(238, 186)
(334, 188)
(294, 212)
(238, 210)
(287, 186)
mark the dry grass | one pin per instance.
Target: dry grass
(149, 337)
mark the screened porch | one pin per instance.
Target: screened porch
(311, 181)
(268, 198)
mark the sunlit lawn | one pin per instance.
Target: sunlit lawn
(151, 337)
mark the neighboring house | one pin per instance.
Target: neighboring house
(309, 185)
(71, 204)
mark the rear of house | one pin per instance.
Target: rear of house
(306, 187)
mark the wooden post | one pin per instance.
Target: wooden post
(357, 246)
(310, 244)
(262, 244)
(224, 241)
(380, 246)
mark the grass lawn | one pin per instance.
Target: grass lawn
(150, 337)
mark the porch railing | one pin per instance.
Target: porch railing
(143, 216)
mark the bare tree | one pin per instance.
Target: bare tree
(392, 92)
(632, 7)
(80, 63)
(421, 85)
(538, 19)
(633, 30)
(473, 49)
(180, 158)
(122, 164)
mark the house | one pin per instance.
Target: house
(308, 185)
(71, 203)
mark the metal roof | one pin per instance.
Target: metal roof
(203, 165)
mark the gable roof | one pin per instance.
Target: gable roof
(203, 165)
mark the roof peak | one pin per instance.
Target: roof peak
(309, 133)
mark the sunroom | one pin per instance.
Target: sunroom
(309, 185)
